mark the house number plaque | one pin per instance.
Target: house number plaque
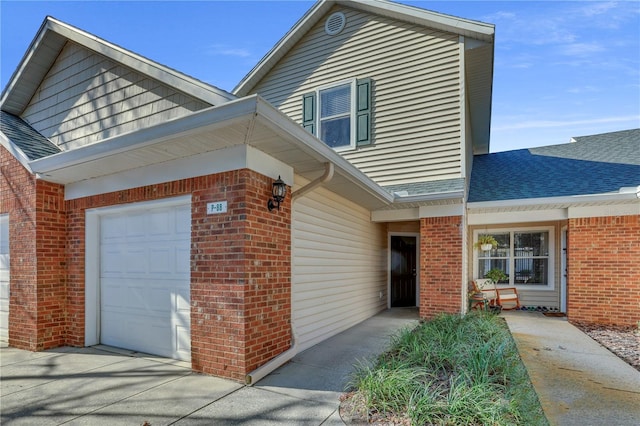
(217, 207)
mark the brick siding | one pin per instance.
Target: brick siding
(240, 265)
(37, 316)
(603, 283)
(440, 265)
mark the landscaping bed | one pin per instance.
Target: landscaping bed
(622, 341)
(451, 370)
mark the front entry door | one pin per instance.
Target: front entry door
(403, 271)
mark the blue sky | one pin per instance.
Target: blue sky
(561, 69)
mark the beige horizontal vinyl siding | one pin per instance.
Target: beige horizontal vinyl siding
(86, 98)
(416, 92)
(339, 266)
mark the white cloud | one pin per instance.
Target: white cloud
(584, 89)
(543, 124)
(225, 50)
(581, 49)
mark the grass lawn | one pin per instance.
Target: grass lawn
(452, 370)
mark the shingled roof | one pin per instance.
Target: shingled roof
(25, 137)
(594, 164)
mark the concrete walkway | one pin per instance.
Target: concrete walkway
(103, 386)
(578, 381)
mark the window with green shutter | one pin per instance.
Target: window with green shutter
(340, 114)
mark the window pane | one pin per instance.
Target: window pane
(531, 244)
(336, 132)
(540, 272)
(335, 101)
(503, 248)
(486, 265)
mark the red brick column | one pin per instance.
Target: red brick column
(241, 277)
(603, 284)
(37, 221)
(440, 265)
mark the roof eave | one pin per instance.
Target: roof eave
(623, 195)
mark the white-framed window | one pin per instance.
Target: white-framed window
(335, 109)
(525, 255)
(339, 114)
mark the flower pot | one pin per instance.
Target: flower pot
(486, 247)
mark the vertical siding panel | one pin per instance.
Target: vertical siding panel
(85, 98)
(338, 265)
(416, 92)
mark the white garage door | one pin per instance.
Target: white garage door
(145, 281)
(4, 279)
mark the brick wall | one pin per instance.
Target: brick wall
(240, 269)
(37, 315)
(440, 265)
(603, 284)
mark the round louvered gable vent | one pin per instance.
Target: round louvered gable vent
(335, 23)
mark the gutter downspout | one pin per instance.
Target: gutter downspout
(260, 372)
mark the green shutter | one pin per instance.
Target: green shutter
(363, 112)
(309, 112)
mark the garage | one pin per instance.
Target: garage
(4, 279)
(144, 279)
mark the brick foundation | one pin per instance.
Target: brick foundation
(603, 283)
(440, 265)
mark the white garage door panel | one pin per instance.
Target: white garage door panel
(4, 278)
(145, 281)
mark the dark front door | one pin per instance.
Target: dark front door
(403, 271)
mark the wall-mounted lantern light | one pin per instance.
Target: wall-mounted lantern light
(278, 193)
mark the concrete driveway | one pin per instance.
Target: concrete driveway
(106, 386)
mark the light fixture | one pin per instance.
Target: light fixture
(278, 192)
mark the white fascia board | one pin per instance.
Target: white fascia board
(220, 161)
(311, 145)
(442, 211)
(466, 27)
(183, 126)
(15, 151)
(401, 215)
(575, 200)
(25, 59)
(496, 218)
(182, 82)
(604, 211)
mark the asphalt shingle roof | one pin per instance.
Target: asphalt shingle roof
(424, 188)
(591, 165)
(25, 137)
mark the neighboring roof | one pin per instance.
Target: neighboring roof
(621, 147)
(51, 39)
(25, 137)
(598, 164)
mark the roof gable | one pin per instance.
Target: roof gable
(464, 27)
(50, 40)
(478, 53)
(560, 170)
